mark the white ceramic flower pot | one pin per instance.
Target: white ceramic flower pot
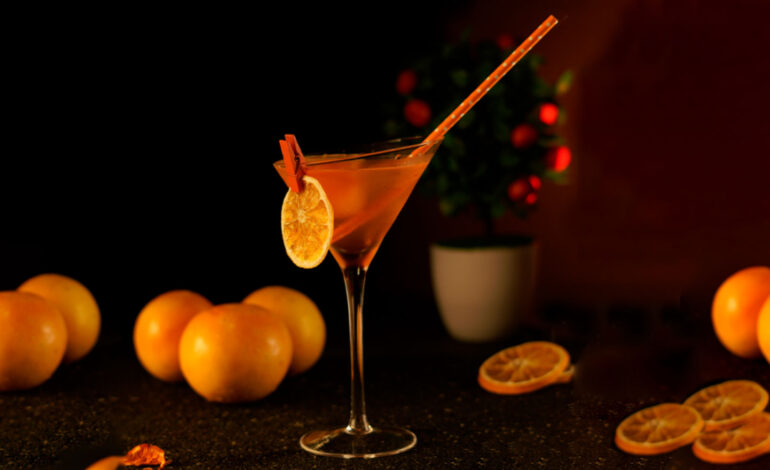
(482, 292)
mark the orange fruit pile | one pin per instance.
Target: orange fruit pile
(725, 423)
(233, 352)
(525, 368)
(48, 320)
(740, 312)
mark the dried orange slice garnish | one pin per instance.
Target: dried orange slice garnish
(728, 404)
(658, 429)
(523, 368)
(740, 444)
(307, 224)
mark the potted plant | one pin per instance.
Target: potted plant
(494, 161)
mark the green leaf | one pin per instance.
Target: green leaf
(446, 207)
(562, 115)
(456, 202)
(391, 128)
(442, 183)
(558, 177)
(508, 159)
(459, 77)
(564, 82)
(447, 145)
(467, 120)
(502, 132)
(542, 90)
(549, 140)
(453, 163)
(497, 209)
(535, 61)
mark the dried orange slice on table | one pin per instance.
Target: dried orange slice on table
(307, 223)
(658, 429)
(728, 404)
(524, 368)
(143, 454)
(740, 444)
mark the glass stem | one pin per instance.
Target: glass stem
(355, 277)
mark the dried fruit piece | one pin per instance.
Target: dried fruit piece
(146, 454)
(523, 368)
(728, 404)
(307, 224)
(743, 443)
(658, 429)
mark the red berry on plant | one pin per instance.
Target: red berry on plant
(531, 198)
(558, 158)
(535, 182)
(549, 113)
(519, 189)
(406, 82)
(417, 112)
(523, 136)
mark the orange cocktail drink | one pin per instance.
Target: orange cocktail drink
(366, 190)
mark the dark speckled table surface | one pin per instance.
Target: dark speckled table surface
(417, 377)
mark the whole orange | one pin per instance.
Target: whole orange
(107, 463)
(159, 327)
(735, 310)
(763, 329)
(302, 318)
(235, 353)
(77, 306)
(33, 338)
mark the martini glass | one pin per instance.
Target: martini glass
(367, 190)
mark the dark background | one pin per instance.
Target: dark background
(140, 143)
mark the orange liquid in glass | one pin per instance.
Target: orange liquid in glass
(367, 196)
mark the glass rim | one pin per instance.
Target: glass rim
(375, 149)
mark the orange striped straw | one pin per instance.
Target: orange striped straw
(493, 78)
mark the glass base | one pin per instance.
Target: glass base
(341, 442)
